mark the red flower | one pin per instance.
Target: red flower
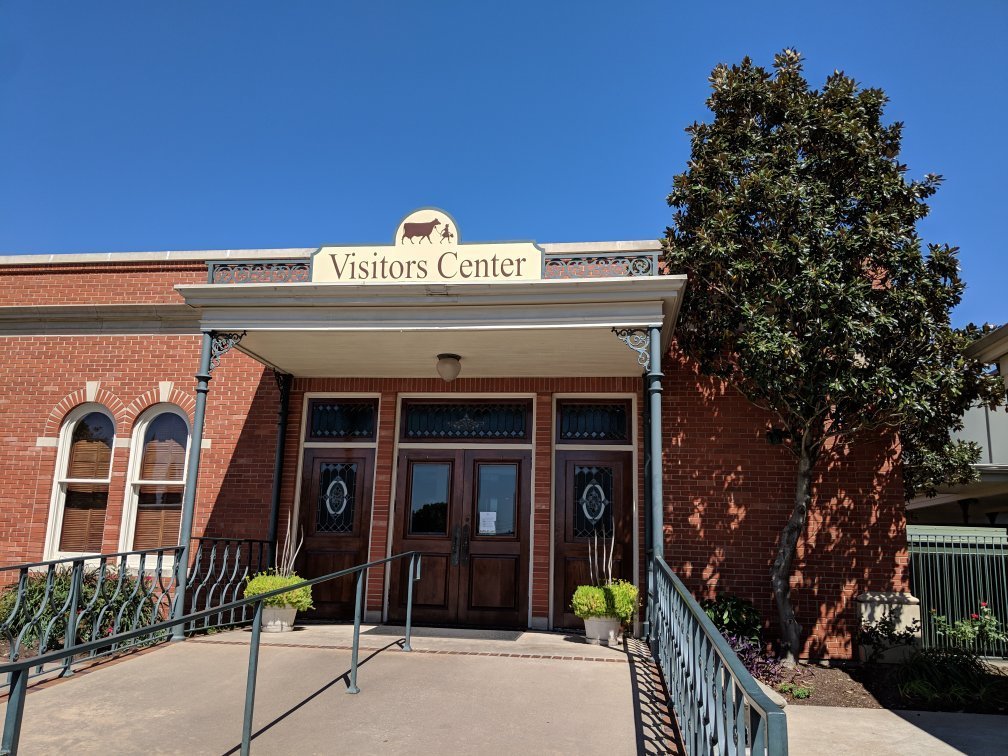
(983, 604)
(975, 616)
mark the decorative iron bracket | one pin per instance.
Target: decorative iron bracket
(220, 344)
(639, 341)
(283, 380)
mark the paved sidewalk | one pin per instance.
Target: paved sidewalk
(469, 693)
(880, 732)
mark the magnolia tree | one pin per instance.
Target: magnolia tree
(809, 290)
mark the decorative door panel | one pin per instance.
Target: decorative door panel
(594, 499)
(335, 517)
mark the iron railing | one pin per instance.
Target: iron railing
(586, 265)
(954, 571)
(217, 575)
(719, 706)
(259, 271)
(62, 603)
(19, 670)
(614, 265)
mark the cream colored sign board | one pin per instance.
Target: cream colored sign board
(428, 249)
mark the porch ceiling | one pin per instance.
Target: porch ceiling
(521, 329)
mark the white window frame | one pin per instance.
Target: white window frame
(127, 528)
(60, 480)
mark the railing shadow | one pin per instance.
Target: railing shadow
(345, 678)
(654, 725)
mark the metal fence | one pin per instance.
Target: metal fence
(61, 603)
(956, 573)
(719, 706)
(217, 575)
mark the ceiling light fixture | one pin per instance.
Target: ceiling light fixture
(448, 366)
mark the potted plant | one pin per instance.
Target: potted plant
(279, 611)
(605, 605)
(605, 609)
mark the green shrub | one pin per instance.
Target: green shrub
(622, 595)
(617, 599)
(590, 601)
(796, 691)
(98, 606)
(878, 637)
(952, 679)
(734, 616)
(264, 582)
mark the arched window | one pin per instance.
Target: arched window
(84, 469)
(157, 479)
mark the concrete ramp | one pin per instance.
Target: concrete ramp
(458, 692)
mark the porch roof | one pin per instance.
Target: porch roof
(559, 327)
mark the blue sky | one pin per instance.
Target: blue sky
(215, 125)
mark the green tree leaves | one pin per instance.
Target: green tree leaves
(809, 288)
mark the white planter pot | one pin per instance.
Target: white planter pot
(278, 619)
(602, 630)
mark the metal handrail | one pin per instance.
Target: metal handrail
(19, 669)
(719, 705)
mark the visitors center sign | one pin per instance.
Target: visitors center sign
(428, 249)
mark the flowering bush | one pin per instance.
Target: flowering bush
(761, 665)
(982, 628)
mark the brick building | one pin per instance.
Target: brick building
(501, 476)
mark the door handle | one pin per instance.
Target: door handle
(455, 546)
(465, 543)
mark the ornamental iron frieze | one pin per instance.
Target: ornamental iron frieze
(265, 271)
(601, 266)
(639, 341)
(221, 343)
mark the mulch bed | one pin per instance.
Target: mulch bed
(868, 687)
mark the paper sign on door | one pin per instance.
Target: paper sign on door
(488, 523)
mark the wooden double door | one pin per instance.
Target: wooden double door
(593, 498)
(335, 521)
(468, 513)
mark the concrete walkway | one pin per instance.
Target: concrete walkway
(459, 692)
(880, 732)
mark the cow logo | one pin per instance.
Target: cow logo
(428, 226)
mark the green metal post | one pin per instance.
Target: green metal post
(654, 377)
(70, 638)
(284, 381)
(648, 525)
(250, 682)
(356, 634)
(409, 605)
(15, 711)
(192, 473)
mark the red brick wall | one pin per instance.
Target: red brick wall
(728, 493)
(119, 283)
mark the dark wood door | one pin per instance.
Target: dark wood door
(594, 497)
(467, 512)
(335, 518)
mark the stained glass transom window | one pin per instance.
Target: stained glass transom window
(593, 491)
(448, 421)
(337, 486)
(594, 422)
(342, 419)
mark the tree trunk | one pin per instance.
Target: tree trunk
(780, 575)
